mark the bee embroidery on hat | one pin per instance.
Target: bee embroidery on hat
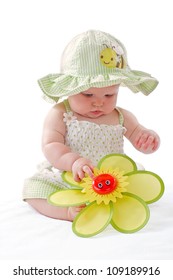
(111, 57)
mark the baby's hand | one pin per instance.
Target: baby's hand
(147, 141)
(80, 167)
(73, 211)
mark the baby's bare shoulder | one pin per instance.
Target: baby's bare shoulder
(54, 118)
(56, 111)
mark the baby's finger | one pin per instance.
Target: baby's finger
(141, 140)
(156, 144)
(148, 150)
(149, 142)
(76, 177)
(88, 170)
(81, 174)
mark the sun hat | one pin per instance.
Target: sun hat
(94, 59)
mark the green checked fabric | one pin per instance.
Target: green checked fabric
(94, 59)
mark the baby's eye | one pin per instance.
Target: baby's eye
(109, 95)
(87, 94)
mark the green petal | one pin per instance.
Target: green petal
(92, 219)
(66, 198)
(130, 214)
(145, 184)
(113, 161)
(68, 178)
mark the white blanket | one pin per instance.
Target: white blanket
(25, 234)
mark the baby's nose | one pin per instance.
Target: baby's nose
(98, 102)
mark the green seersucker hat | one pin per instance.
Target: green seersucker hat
(94, 59)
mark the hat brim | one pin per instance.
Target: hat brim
(56, 86)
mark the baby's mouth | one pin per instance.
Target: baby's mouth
(96, 112)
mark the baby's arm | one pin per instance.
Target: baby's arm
(61, 157)
(54, 149)
(145, 140)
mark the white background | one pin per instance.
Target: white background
(33, 35)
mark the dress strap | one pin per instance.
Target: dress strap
(67, 105)
(121, 117)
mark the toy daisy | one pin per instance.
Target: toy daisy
(118, 194)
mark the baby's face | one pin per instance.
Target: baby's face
(95, 102)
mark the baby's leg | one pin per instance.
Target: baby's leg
(55, 212)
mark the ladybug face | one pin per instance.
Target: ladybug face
(104, 184)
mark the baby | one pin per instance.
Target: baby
(87, 125)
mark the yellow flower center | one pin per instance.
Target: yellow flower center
(107, 185)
